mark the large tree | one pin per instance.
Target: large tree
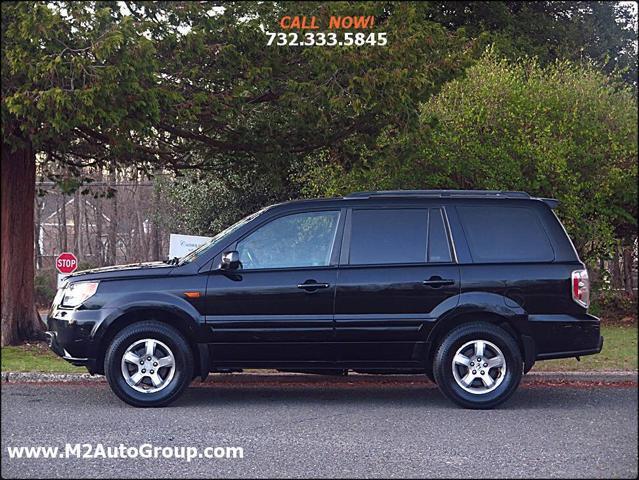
(603, 32)
(71, 76)
(188, 85)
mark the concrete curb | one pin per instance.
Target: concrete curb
(239, 378)
(608, 377)
(40, 377)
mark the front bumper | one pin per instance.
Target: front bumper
(70, 334)
(60, 351)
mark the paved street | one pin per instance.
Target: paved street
(342, 429)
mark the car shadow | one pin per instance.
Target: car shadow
(372, 394)
(252, 395)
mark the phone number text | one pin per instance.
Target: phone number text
(331, 39)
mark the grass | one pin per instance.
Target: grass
(619, 353)
(35, 357)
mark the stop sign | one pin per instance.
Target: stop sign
(66, 263)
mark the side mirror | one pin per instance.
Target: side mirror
(230, 260)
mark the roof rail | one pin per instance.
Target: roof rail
(439, 193)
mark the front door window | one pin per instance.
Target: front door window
(298, 240)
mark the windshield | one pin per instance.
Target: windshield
(205, 247)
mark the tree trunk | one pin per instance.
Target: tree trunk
(615, 271)
(627, 270)
(87, 233)
(99, 246)
(154, 227)
(98, 231)
(38, 232)
(113, 227)
(20, 318)
(142, 243)
(77, 224)
(62, 225)
(155, 241)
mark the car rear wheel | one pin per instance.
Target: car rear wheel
(149, 364)
(478, 365)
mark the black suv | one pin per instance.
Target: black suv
(468, 287)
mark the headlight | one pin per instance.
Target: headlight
(77, 293)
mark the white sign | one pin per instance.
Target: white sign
(180, 245)
(61, 277)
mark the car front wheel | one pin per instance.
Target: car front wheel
(478, 365)
(149, 364)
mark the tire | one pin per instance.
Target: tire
(499, 348)
(429, 372)
(168, 382)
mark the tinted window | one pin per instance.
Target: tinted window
(499, 234)
(299, 240)
(438, 248)
(388, 236)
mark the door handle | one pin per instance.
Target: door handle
(437, 282)
(312, 286)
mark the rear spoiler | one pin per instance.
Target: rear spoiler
(551, 202)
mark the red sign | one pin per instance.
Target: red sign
(66, 263)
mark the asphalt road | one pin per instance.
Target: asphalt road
(371, 429)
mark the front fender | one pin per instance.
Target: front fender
(165, 303)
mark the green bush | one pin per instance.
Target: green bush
(45, 288)
(614, 306)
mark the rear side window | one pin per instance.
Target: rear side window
(398, 236)
(505, 234)
(388, 236)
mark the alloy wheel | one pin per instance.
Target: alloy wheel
(479, 367)
(148, 365)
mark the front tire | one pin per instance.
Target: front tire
(149, 364)
(478, 365)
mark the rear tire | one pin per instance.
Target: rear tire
(149, 364)
(478, 365)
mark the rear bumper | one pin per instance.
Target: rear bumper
(574, 353)
(564, 336)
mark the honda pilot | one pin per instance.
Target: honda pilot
(470, 288)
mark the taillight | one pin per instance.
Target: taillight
(581, 287)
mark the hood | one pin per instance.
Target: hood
(119, 271)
